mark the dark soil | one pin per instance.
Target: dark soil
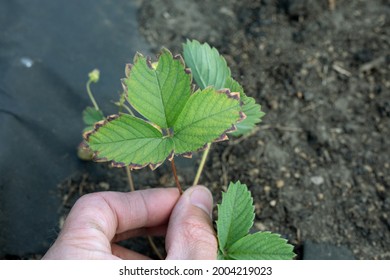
(318, 165)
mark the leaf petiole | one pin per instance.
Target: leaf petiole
(201, 165)
(175, 176)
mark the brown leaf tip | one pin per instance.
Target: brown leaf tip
(230, 94)
(128, 68)
(242, 116)
(98, 125)
(179, 57)
(87, 134)
(187, 71)
(221, 138)
(118, 164)
(153, 166)
(231, 129)
(112, 117)
(137, 56)
(149, 63)
(187, 155)
(99, 159)
(204, 147)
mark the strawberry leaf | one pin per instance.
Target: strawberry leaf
(128, 140)
(207, 116)
(235, 218)
(210, 69)
(178, 121)
(261, 246)
(207, 65)
(91, 116)
(235, 215)
(251, 109)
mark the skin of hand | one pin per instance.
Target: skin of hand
(98, 220)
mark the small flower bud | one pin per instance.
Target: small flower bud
(94, 75)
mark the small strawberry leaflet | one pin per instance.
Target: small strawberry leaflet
(210, 69)
(235, 218)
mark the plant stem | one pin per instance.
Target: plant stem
(201, 165)
(130, 178)
(154, 247)
(91, 95)
(176, 178)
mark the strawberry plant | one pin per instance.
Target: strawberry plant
(169, 116)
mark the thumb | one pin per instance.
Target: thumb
(190, 233)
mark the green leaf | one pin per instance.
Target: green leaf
(235, 215)
(129, 141)
(177, 120)
(235, 218)
(158, 94)
(261, 246)
(205, 117)
(208, 67)
(91, 116)
(250, 108)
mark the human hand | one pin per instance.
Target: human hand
(98, 220)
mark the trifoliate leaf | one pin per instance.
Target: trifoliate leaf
(91, 116)
(208, 67)
(235, 215)
(261, 246)
(178, 121)
(250, 108)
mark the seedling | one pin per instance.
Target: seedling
(169, 116)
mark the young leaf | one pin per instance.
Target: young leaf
(261, 246)
(91, 116)
(235, 215)
(235, 218)
(251, 109)
(180, 121)
(208, 67)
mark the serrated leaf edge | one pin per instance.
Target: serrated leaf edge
(285, 242)
(191, 43)
(222, 247)
(113, 163)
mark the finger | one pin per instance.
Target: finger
(190, 233)
(114, 213)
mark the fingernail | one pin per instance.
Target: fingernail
(202, 198)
